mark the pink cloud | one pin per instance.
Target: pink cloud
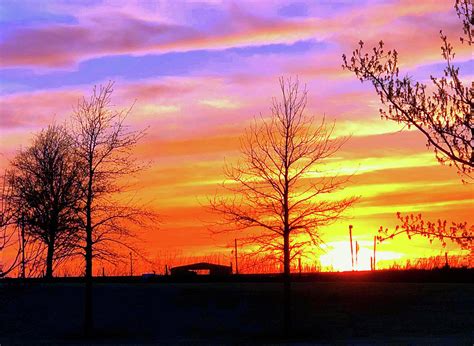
(155, 90)
(33, 110)
(115, 32)
(119, 33)
(67, 44)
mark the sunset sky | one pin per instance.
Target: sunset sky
(199, 71)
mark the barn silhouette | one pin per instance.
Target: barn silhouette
(202, 268)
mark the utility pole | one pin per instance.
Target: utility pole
(375, 249)
(352, 249)
(236, 258)
(131, 264)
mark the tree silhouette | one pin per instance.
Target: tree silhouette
(25, 256)
(446, 116)
(8, 234)
(104, 145)
(45, 183)
(457, 232)
(276, 187)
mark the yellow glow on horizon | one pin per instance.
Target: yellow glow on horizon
(338, 256)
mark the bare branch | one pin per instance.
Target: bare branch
(458, 232)
(445, 117)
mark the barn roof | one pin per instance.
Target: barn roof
(201, 266)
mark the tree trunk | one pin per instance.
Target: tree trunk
(88, 248)
(88, 251)
(286, 286)
(286, 247)
(49, 258)
(88, 312)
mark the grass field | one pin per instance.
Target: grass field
(323, 312)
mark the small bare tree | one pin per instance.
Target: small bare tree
(105, 147)
(276, 188)
(45, 183)
(8, 233)
(446, 116)
(22, 254)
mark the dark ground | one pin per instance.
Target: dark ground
(240, 312)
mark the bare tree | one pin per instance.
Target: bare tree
(45, 183)
(105, 146)
(8, 233)
(22, 254)
(460, 233)
(445, 116)
(276, 188)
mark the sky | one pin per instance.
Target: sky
(198, 72)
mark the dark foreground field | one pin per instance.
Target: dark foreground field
(240, 312)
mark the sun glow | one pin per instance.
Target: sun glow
(337, 256)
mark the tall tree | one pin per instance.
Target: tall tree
(445, 116)
(46, 190)
(276, 188)
(105, 147)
